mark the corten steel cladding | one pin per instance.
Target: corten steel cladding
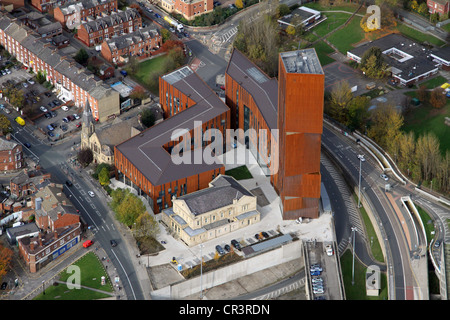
(300, 120)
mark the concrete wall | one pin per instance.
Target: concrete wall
(286, 253)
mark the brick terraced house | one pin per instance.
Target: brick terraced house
(47, 5)
(11, 156)
(94, 31)
(71, 80)
(83, 9)
(188, 8)
(140, 43)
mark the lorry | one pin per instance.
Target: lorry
(174, 23)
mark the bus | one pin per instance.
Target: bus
(20, 121)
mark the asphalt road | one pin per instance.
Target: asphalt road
(398, 257)
(93, 210)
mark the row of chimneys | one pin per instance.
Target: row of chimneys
(33, 244)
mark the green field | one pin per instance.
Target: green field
(323, 50)
(91, 271)
(148, 67)
(418, 36)
(425, 118)
(334, 20)
(344, 38)
(434, 82)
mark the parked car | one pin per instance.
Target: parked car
(8, 71)
(4, 286)
(157, 16)
(48, 94)
(51, 134)
(265, 234)
(329, 250)
(30, 81)
(57, 102)
(7, 110)
(71, 118)
(65, 120)
(384, 177)
(227, 248)
(88, 243)
(316, 280)
(236, 244)
(65, 108)
(76, 116)
(437, 244)
(78, 125)
(50, 127)
(53, 113)
(43, 109)
(220, 250)
(25, 85)
(64, 128)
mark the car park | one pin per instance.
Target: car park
(220, 250)
(384, 177)
(91, 194)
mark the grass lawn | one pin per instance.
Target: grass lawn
(358, 290)
(91, 271)
(418, 36)
(427, 223)
(323, 50)
(344, 38)
(434, 82)
(147, 67)
(350, 7)
(239, 173)
(334, 20)
(425, 118)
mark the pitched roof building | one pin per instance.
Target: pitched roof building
(223, 207)
(73, 82)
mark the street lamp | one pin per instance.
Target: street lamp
(353, 266)
(359, 184)
(43, 288)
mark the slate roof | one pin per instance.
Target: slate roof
(6, 145)
(221, 193)
(145, 150)
(115, 18)
(128, 39)
(263, 89)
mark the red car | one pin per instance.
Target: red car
(78, 124)
(88, 243)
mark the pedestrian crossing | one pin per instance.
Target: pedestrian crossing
(350, 205)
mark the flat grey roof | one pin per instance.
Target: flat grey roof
(145, 150)
(301, 61)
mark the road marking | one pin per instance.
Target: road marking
(126, 275)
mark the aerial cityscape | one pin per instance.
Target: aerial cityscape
(219, 150)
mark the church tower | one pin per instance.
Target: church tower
(87, 125)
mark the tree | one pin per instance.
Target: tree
(5, 260)
(129, 209)
(82, 56)
(357, 113)
(15, 96)
(340, 97)
(132, 65)
(165, 35)
(422, 93)
(428, 154)
(147, 118)
(85, 157)
(5, 124)
(282, 10)
(138, 93)
(386, 122)
(146, 225)
(372, 63)
(438, 98)
(423, 8)
(406, 152)
(103, 177)
(290, 30)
